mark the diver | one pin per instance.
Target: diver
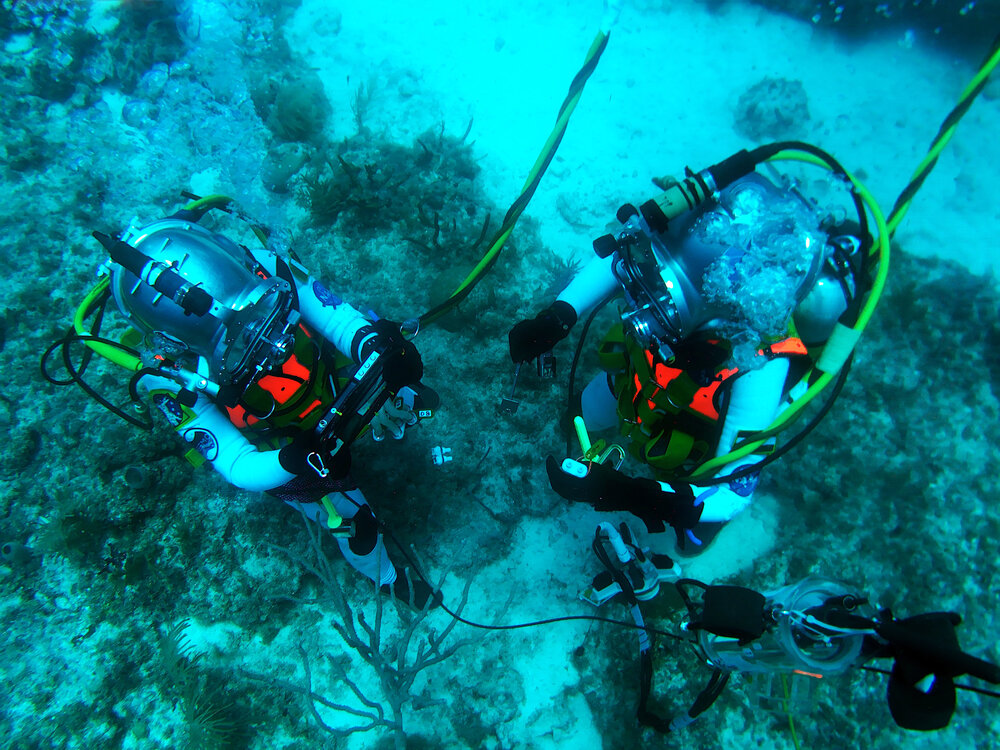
(731, 285)
(268, 373)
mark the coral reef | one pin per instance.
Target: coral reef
(383, 647)
(168, 609)
(293, 110)
(773, 109)
(377, 184)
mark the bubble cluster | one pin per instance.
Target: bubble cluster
(772, 249)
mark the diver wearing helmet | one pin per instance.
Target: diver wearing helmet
(723, 307)
(266, 372)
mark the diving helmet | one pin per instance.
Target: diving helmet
(247, 326)
(738, 264)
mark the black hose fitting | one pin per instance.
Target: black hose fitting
(190, 298)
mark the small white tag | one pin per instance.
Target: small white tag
(574, 468)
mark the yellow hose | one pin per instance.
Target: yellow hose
(880, 249)
(112, 353)
(541, 162)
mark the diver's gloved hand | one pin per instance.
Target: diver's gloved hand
(395, 416)
(401, 363)
(304, 456)
(532, 338)
(608, 489)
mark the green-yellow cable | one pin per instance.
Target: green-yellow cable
(540, 161)
(115, 355)
(881, 248)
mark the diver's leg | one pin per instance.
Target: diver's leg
(365, 551)
(600, 410)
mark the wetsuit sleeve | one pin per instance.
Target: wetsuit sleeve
(217, 439)
(327, 313)
(754, 402)
(321, 309)
(595, 282)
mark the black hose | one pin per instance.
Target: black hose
(792, 441)
(576, 360)
(76, 373)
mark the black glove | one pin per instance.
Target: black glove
(608, 489)
(294, 458)
(401, 363)
(532, 338)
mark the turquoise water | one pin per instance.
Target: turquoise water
(377, 141)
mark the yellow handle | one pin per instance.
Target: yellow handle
(581, 434)
(334, 520)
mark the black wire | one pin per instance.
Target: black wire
(95, 330)
(517, 626)
(45, 362)
(76, 374)
(133, 383)
(576, 360)
(593, 618)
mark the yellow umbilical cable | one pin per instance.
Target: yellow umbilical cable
(216, 200)
(880, 249)
(531, 183)
(114, 354)
(220, 201)
(944, 135)
(788, 711)
(885, 229)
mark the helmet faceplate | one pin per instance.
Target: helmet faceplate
(739, 262)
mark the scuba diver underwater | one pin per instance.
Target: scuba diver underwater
(269, 374)
(742, 300)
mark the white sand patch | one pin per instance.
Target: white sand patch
(747, 538)
(662, 98)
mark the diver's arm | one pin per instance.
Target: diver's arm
(334, 319)
(530, 338)
(754, 402)
(752, 406)
(217, 439)
(321, 309)
(594, 282)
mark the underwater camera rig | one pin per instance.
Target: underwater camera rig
(815, 628)
(352, 411)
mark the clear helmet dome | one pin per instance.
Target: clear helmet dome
(247, 314)
(741, 264)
